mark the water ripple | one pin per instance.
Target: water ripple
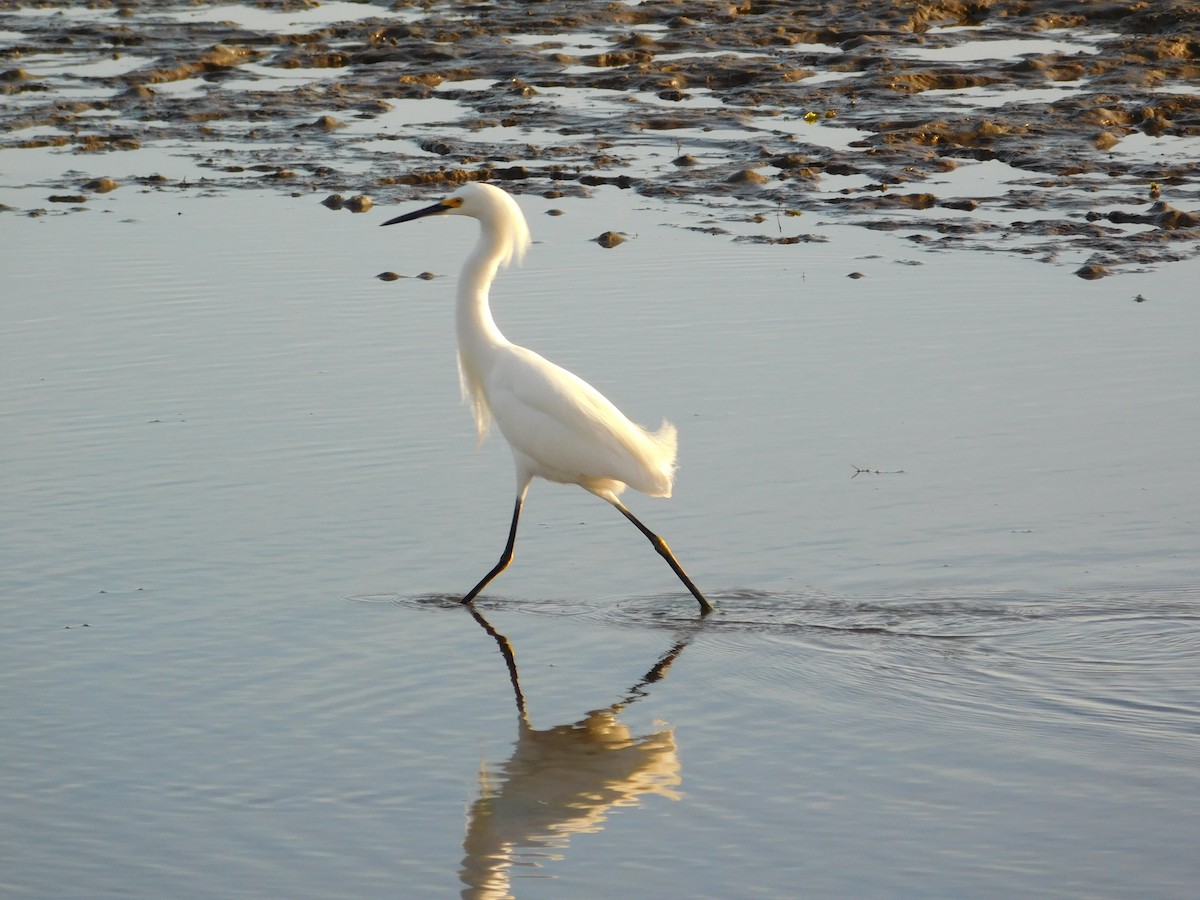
(1128, 661)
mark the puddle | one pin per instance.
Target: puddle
(297, 20)
(997, 95)
(990, 50)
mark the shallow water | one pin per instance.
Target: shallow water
(947, 512)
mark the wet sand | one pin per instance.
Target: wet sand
(855, 112)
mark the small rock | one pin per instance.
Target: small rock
(747, 176)
(1167, 216)
(101, 185)
(609, 239)
(1092, 271)
(328, 123)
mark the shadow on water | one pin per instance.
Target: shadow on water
(561, 781)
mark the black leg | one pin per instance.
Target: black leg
(505, 558)
(665, 552)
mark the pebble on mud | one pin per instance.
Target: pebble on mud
(1092, 271)
(609, 239)
(328, 123)
(1167, 216)
(359, 203)
(101, 185)
(747, 176)
(1161, 214)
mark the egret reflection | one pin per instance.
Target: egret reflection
(561, 781)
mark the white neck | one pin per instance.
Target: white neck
(477, 329)
(479, 340)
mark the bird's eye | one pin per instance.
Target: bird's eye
(452, 202)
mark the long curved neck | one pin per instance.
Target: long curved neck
(477, 331)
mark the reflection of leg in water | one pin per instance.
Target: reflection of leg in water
(657, 672)
(561, 781)
(506, 651)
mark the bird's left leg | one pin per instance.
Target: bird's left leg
(665, 552)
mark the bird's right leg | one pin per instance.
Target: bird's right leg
(505, 558)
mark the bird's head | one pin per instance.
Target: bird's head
(499, 216)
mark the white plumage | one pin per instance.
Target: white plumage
(562, 429)
(559, 427)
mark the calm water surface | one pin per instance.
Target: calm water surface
(240, 494)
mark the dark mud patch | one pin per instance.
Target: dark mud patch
(868, 112)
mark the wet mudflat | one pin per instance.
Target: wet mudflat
(1087, 114)
(945, 509)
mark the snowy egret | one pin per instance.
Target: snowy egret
(559, 427)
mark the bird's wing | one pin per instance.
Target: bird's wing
(571, 431)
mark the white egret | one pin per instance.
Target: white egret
(559, 427)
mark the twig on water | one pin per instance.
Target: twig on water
(859, 471)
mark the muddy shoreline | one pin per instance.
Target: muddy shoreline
(741, 107)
